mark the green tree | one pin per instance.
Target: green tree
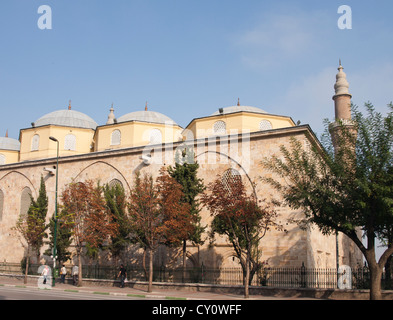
(116, 202)
(346, 187)
(37, 216)
(63, 238)
(185, 172)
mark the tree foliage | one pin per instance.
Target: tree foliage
(186, 175)
(90, 220)
(36, 216)
(63, 237)
(156, 214)
(185, 172)
(31, 227)
(241, 218)
(346, 185)
(116, 202)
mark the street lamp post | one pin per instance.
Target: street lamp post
(55, 231)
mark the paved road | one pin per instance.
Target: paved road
(16, 293)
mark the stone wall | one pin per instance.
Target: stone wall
(215, 157)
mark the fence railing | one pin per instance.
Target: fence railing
(284, 277)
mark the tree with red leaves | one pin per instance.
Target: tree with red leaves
(157, 215)
(88, 216)
(240, 218)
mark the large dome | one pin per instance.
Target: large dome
(146, 116)
(9, 144)
(234, 109)
(67, 118)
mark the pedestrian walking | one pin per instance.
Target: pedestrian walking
(63, 273)
(122, 275)
(45, 273)
(75, 274)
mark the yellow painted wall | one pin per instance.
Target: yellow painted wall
(48, 148)
(235, 123)
(134, 134)
(10, 156)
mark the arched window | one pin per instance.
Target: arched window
(2, 159)
(115, 182)
(155, 136)
(70, 142)
(116, 138)
(35, 143)
(265, 125)
(25, 201)
(219, 127)
(1, 204)
(230, 177)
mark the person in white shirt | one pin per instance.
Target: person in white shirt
(63, 272)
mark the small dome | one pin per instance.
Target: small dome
(235, 109)
(146, 116)
(67, 118)
(9, 144)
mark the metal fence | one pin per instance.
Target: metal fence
(284, 277)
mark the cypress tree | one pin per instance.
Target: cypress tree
(185, 172)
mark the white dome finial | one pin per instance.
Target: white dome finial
(341, 86)
(111, 116)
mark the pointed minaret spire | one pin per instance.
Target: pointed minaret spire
(238, 102)
(146, 106)
(6, 134)
(342, 97)
(69, 105)
(111, 116)
(343, 117)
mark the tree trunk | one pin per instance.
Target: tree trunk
(144, 263)
(150, 287)
(375, 282)
(388, 271)
(184, 260)
(247, 277)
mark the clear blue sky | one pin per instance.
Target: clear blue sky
(188, 58)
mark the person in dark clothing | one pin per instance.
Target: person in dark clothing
(122, 275)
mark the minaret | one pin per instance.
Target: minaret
(343, 117)
(342, 98)
(111, 116)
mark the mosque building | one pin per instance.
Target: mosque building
(232, 140)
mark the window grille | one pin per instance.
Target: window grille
(265, 125)
(116, 138)
(70, 142)
(230, 177)
(155, 136)
(115, 182)
(25, 201)
(219, 127)
(35, 143)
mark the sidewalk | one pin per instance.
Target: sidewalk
(161, 294)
